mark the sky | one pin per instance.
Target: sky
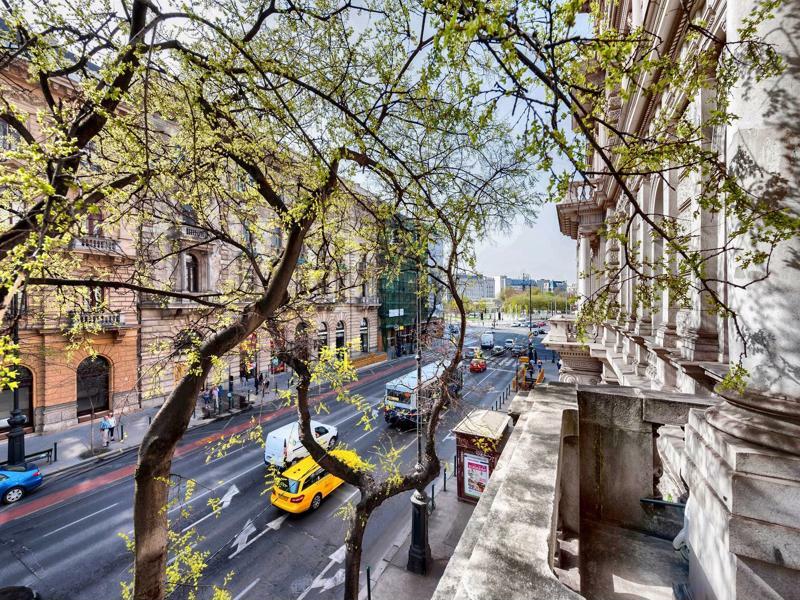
(540, 250)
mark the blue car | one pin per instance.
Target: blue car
(16, 481)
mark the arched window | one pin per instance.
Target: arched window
(322, 335)
(93, 383)
(340, 334)
(364, 335)
(94, 224)
(24, 398)
(192, 273)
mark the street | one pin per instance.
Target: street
(66, 540)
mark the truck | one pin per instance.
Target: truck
(487, 340)
(400, 401)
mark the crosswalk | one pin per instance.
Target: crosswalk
(508, 363)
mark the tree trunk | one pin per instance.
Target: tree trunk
(353, 543)
(150, 526)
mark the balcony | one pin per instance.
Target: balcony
(188, 232)
(97, 244)
(106, 320)
(364, 300)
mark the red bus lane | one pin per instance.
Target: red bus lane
(38, 502)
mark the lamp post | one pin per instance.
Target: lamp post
(419, 552)
(16, 435)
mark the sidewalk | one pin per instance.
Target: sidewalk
(74, 444)
(391, 580)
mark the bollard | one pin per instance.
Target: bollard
(433, 497)
(444, 479)
(121, 432)
(55, 451)
(150, 420)
(369, 584)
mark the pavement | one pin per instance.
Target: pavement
(390, 578)
(72, 448)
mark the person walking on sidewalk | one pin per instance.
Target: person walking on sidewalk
(104, 427)
(215, 398)
(112, 424)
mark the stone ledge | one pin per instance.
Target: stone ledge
(766, 542)
(511, 554)
(742, 456)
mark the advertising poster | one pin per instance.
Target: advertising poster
(476, 474)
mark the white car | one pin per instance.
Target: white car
(283, 446)
(509, 343)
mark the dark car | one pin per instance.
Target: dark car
(518, 350)
(18, 480)
(498, 351)
(470, 352)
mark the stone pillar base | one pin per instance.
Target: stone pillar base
(743, 517)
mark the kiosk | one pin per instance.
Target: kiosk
(480, 438)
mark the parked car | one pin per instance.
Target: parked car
(18, 480)
(516, 324)
(510, 343)
(477, 365)
(498, 351)
(283, 446)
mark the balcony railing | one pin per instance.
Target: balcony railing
(189, 232)
(364, 300)
(96, 243)
(97, 320)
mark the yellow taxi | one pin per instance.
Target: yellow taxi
(303, 486)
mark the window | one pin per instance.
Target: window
(192, 273)
(364, 335)
(9, 138)
(94, 224)
(96, 297)
(24, 398)
(188, 214)
(93, 384)
(340, 334)
(320, 431)
(322, 335)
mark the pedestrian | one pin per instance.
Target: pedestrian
(265, 388)
(535, 356)
(215, 397)
(112, 423)
(104, 426)
(242, 375)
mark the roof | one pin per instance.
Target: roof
(409, 380)
(484, 423)
(308, 465)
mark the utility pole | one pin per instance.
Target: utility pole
(16, 435)
(419, 552)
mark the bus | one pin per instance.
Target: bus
(400, 402)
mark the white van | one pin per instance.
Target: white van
(487, 340)
(283, 446)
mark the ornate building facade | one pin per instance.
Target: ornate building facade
(739, 460)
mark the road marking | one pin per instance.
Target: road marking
(81, 519)
(225, 502)
(475, 387)
(241, 542)
(330, 582)
(241, 594)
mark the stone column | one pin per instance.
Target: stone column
(743, 455)
(584, 264)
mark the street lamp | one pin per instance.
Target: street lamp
(419, 552)
(16, 435)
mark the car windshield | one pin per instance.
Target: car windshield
(288, 485)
